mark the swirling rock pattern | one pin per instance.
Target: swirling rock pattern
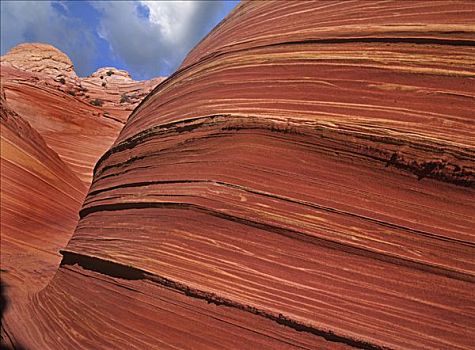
(40, 58)
(79, 118)
(308, 172)
(50, 140)
(40, 200)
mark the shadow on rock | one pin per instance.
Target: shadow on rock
(3, 308)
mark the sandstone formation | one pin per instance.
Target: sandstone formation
(78, 131)
(78, 117)
(304, 180)
(117, 92)
(40, 198)
(40, 58)
(50, 140)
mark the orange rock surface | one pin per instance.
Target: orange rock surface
(40, 58)
(40, 199)
(305, 180)
(50, 140)
(78, 117)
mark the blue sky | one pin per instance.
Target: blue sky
(146, 38)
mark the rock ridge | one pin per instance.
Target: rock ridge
(307, 173)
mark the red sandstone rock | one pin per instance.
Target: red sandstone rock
(117, 92)
(78, 117)
(40, 58)
(308, 171)
(40, 200)
(51, 138)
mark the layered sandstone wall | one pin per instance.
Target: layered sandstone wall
(78, 117)
(40, 198)
(304, 180)
(51, 137)
(40, 58)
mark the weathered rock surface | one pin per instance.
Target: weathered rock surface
(50, 140)
(78, 117)
(40, 199)
(304, 180)
(78, 131)
(116, 92)
(40, 58)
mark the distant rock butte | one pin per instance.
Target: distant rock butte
(111, 74)
(305, 180)
(78, 117)
(40, 58)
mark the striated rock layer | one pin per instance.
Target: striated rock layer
(40, 198)
(79, 118)
(41, 58)
(51, 137)
(304, 180)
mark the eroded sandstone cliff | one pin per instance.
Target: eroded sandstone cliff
(79, 118)
(304, 180)
(51, 137)
(40, 199)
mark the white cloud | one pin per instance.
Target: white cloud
(40, 21)
(173, 18)
(154, 36)
(150, 37)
